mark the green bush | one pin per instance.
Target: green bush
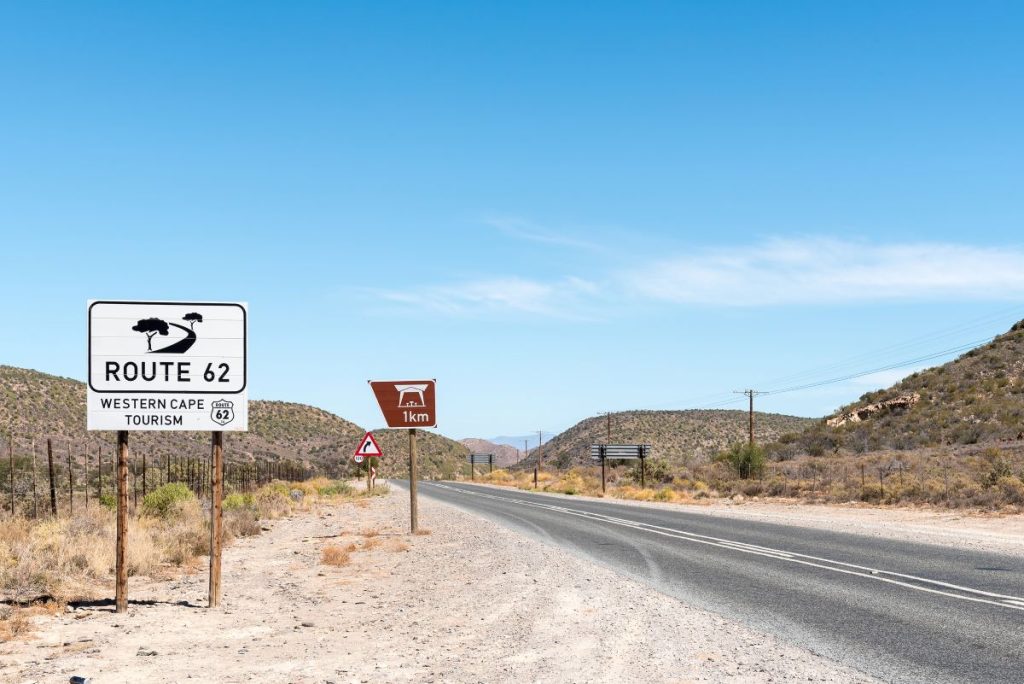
(746, 459)
(336, 488)
(108, 501)
(657, 471)
(163, 501)
(237, 501)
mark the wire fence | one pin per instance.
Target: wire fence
(49, 477)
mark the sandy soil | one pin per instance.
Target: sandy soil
(993, 532)
(469, 602)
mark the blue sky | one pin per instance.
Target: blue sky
(555, 209)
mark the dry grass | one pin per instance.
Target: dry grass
(369, 532)
(66, 559)
(335, 555)
(422, 533)
(979, 478)
(371, 544)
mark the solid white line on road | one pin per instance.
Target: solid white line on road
(974, 595)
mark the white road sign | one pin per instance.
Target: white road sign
(167, 366)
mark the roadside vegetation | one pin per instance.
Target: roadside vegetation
(48, 562)
(987, 479)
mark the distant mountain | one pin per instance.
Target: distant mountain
(977, 398)
(516, 442)
(504, 455)
(680, 437)
(40, 406)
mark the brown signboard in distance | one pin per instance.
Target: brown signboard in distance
(406, 403)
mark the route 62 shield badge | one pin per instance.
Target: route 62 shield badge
(223, 412)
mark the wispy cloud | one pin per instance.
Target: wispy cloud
(564, 298)
(775, 272)
(522, 229)
(831, 271)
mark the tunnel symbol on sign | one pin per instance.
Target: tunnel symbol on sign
(411, 396)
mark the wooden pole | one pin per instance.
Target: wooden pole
(71, 484)
(35, 495)
(412, 481)
(121, 586)
(53, 486)
(369, 485)
(534, 477)
(99, 471)
(143, 475)
(643, 473)
(216, 496)
(10, 455)
(604, 481)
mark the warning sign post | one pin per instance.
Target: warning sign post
(368, 450)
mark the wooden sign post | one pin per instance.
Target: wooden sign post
(121, 583)
(408, 404)
(166, 366)
(413, 513)
(216, 513)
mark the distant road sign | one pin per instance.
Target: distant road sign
(406, 403)
(481, 458)
(358, 458)
(619, 451)
(167, 366)
(368, 447)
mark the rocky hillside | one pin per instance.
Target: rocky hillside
(504, 455)
(680, 437)
(40, 406)
(978, 398)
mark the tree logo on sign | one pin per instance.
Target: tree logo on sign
(151, 327)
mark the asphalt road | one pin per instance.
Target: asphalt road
(899, 611)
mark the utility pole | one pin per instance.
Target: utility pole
(608, 425)
(751, 394)
(540, 440)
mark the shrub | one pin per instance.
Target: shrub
(745, 458)
(336, 488)
(166, 500)
(109, 501)
(238, 500)
(658, 471)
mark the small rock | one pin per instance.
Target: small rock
(144, 652)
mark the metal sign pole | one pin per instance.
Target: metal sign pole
(604, 480)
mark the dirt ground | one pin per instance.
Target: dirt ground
(469, 602)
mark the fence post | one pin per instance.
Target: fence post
(10, 454)
(35, 495)
(71, 484)
(53, 486)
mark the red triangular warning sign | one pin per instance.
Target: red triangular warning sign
(368, 447)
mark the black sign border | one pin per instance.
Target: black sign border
(245, 347)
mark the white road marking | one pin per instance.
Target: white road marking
(943, 588)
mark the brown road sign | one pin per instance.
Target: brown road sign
(406, 403)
